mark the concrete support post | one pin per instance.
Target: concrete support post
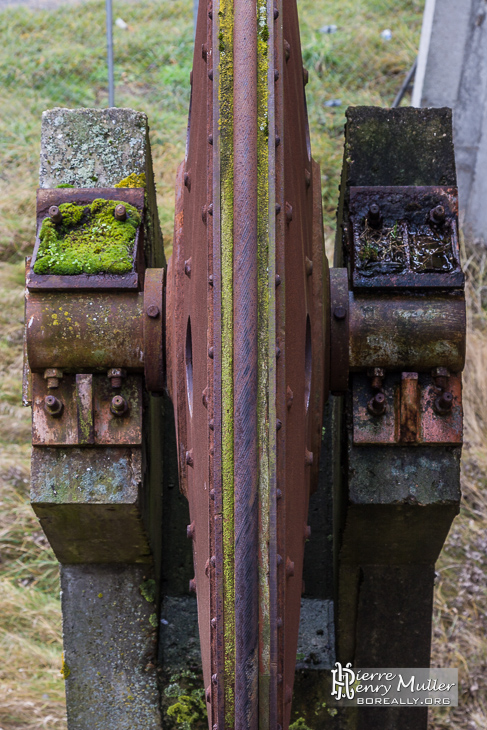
(452, 72)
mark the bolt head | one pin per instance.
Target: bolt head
(120, 212)
(153, 311)
(340, 313)
(53, 405)
(377, 405)
(118, 406)
(444, 403)
(437, 214)
(55, 214)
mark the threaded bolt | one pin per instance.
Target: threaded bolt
(118, 406)
(444, 403)
(53, 405)
(437, 215)
(55, 214)
(115, 376)
(377, 405)
(120, 212)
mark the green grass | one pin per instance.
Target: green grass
(62, 63)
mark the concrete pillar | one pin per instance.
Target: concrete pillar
(452, 71)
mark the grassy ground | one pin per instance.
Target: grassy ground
(62, 63)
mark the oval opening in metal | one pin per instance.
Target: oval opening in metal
(189, 367)
(307, 364)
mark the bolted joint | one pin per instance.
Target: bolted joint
(119, 405)
(437, 215)
(53, 406)
(444, 403)
(53, 376)
(120, 212)
(55, 214)
(153, 311)
(115, 376)
(377, 405)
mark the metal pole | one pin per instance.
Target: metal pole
(111, 88)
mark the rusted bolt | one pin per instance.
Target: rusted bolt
(115, 376)
(289, 212)
(339, 313)
(211, 424)
(189, 458)
(278, 353)
(277, 280)
(213, 623)
(278, 208)
(374, 217)
(120, 212)
(213, 561)
(309, 266)
(211, 353)
(377, 405)
(55, 214)
(289, 397)
(287, 49)
(204, 51)
(437, 214)
(187, 266)
(192, 585)
(307, 178)
(279, 559)
(210, 209)
(153, 311)
(277, 140)
(307, 532)
(118, 406)
(440, 376)
(187, 180)
(53, 406)
(377, 375)
(53, 376)
(210, 280)
(190, 531)
(305, 75)
(207, 568)
(204, 397)
(210, 139)
(444, 403)
(308, 457)
(212, 494)
(214, 678)
(208, 695)
(210, 74)
(276, 74)
(278, 424)
(278, 494)
(289, 568)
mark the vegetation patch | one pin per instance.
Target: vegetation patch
(89, 240)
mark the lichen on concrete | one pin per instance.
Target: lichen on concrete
(89, 240)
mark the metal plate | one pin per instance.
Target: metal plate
(154, 330)
(406, 248)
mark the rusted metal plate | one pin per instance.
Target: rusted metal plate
(154, 330)
(84, 196)
(82, 412)
(411, 414)
(339, 331)
(81, 331)
(405, 237)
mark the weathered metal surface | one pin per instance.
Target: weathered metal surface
(84, 196)
(340, 338)
(407, 332)
(83, 331)
(410, 414)
(154, 330)
(405, 237)
(86, 415)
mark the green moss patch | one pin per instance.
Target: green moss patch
(89, 240)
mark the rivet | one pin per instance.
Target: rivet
(212, 451)
(210, 74)
(307, 178)
(213, 561)
(204, 397)
(305, 76)
(289, 212)
(192, 585)
(210, 139)
(279, 623)
(278, 280)
(339, 313)
(187, 180)
(210, 14)
(55, 214)
(277, 140)
(308, 457)
(187, 266)
(278, 494)
(308, 266)
(118, 406)
(278, 424)
(276, 13)
(289, 397)
(278, 208)
(287, 49)
(204, 213)
(207, 568)
(278, 353)
(190, 531)
(213, 623)
(214, 678)
(211, 424)
(153, 311)
(212, 494)
(276, 74)
(279, 559)
(53, 405)
(189, 458)
(204, 51)
(210, 209)
(210, 280)
(211, 353)
(289, 568)
(120, 212)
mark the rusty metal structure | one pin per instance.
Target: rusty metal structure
(249, 332)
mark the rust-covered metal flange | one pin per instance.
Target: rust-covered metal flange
(247, 349)
(154, 330)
